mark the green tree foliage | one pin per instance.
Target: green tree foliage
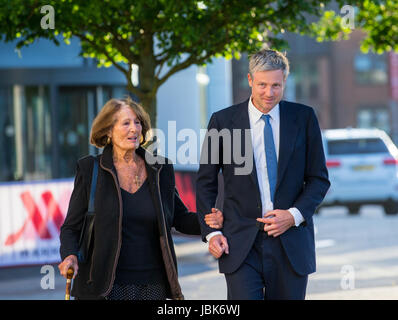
(163, 37)
(377, 19)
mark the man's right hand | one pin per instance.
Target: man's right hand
(218, 244)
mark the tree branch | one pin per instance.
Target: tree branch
(193, 59)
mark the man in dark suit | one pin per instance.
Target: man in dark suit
(266, 247)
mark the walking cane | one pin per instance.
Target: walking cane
(69, 276)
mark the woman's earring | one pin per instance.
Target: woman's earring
(141, 139)
(108, 141)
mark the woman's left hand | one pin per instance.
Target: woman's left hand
(215, 219)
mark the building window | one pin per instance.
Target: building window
(374, 118)
(370, 68)
(306, 78)
(7, 135)
(25, 133)
(73, 126)
(37, 138)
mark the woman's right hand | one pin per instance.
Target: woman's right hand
(69, 261)
(215, 219)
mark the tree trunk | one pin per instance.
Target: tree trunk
(149, 104)
(147, 80)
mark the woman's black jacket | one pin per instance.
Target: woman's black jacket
(95, 278)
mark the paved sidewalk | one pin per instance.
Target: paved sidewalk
(376, 275)
(379, 293)
(210, 284)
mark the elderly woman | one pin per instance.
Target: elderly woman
(136, 205)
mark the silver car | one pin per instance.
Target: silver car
(363, 169)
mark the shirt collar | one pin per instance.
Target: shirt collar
(255, 114)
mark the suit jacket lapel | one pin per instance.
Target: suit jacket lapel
(241, 121)
(287, 137)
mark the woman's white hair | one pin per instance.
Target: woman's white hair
(266, 59)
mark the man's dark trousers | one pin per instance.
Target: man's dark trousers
(266, 266)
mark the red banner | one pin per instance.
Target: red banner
(32, 215)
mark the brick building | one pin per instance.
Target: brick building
(346, 87)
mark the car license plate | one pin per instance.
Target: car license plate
(363, 167)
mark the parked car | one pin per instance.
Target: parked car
(363, 169)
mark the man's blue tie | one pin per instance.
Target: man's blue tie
(270, 153)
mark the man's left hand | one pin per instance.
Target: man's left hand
(277, 222)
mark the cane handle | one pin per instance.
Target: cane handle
(69, 276)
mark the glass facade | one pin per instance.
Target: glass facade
(33, 143)
(73, 126)
(25, 134)
(7, 135)
(43, 141)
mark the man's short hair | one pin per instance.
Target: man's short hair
(266, 59)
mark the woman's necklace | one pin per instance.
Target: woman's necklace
(135, 174)
(137, 180)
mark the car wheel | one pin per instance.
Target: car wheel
(391, 207)
(353, 209)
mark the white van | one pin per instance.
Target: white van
(363, 169)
